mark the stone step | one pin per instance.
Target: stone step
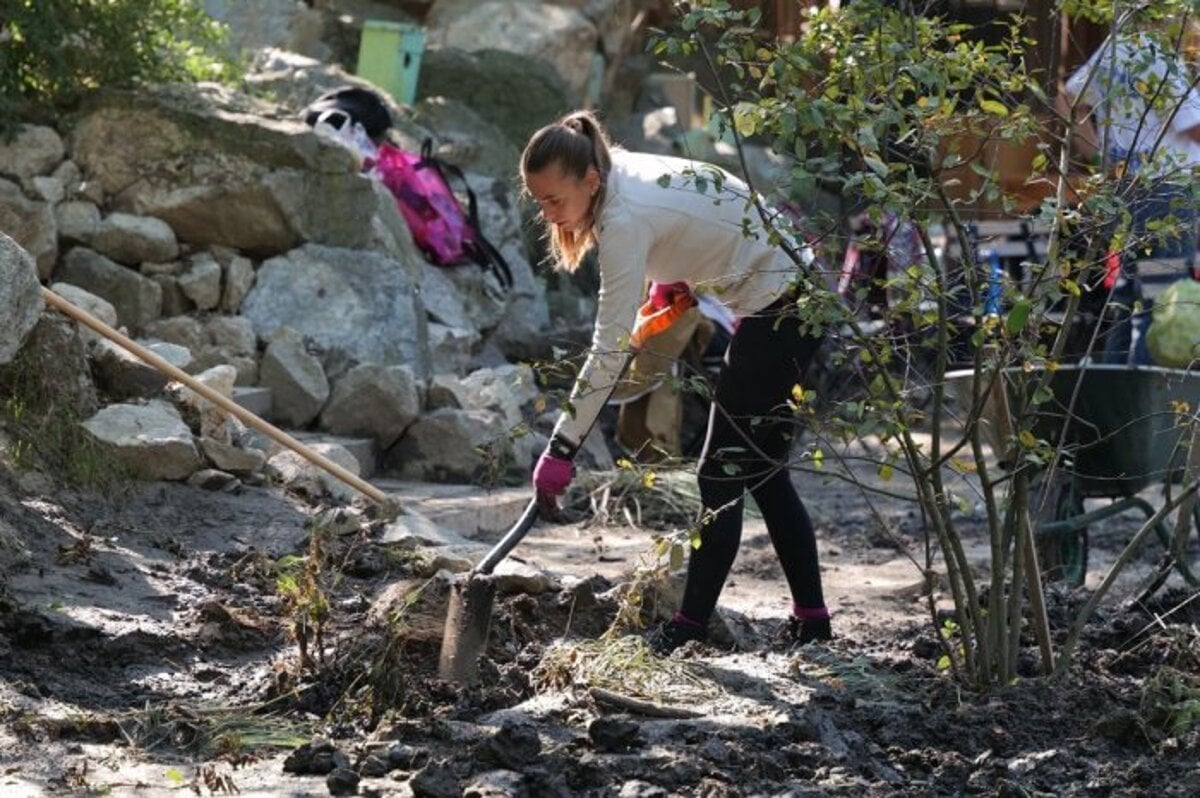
(363, 449)
(478, 513)
(254, 398)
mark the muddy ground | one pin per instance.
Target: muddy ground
(150, 644)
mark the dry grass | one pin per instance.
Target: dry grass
(623, 665)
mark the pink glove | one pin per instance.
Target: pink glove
(662, 294)
(552, 475)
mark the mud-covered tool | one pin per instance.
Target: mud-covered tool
(469, 614)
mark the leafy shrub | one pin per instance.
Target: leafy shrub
(52, 52)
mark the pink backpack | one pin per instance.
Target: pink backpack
(440, 228)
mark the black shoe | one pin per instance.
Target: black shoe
(800, 632)
(669, 635)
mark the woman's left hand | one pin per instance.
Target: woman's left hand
(552, 475)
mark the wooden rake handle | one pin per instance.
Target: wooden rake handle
(245, 416)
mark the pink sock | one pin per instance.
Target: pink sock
(810, 613)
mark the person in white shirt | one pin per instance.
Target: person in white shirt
(669, 220)
(1138, 114)
(1138, 109)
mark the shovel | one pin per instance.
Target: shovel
(469, 614)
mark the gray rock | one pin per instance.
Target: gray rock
(233, 333)
(483, 81)
(452, 349)
(201, 281)
(435, 780)
(137, 299)
(77, 221)
(180, 330)
(504, 389)
(31, 224)
(151, 439)
(303, 475)
(239, 279)
(211, 164)
(514, 746)
(20, 297)
(378, 401)
(445, 446)
(296, 378)
(414, 529)
(614, 735)
(121, 375)
(342, 781)
(496, 784)
(214, 480)
(36, 150)
(355, 302)
(467, 140)
(86, 301)
(271, 23)
(48, 189)
(562, 37)
(232, 458)
(131, 239)
(52, 363)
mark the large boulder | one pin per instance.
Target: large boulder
(377, 401)
(484, 81)
(521, 331)
(451, 445)
(271, 23)
(359, 303)
(31, 224)
(214, 166)
(562, 37)
(296, 379)
(467, 140)
(134, 239)
(151, 439)
(137, 299)
(88, 302)
(35, 150)
(20, 297)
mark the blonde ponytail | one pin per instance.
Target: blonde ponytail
(577, 142)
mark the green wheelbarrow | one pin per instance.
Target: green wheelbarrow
(1123, 429)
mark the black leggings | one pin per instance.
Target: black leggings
(750, 431)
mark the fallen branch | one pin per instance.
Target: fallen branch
(639, 707)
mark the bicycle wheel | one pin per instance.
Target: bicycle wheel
(1063, 556)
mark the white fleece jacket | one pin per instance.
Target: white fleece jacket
(669, 220)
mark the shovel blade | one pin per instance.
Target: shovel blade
(468, 618)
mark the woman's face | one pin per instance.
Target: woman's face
(564, 199)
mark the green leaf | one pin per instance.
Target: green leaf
(1018, 317)
(993, 107)
(676, 557)
(886, 471)
(877, 166)
(943, 663)
(664, 181)
(173, 775)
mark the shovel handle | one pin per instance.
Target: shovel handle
(511, 538)
(229, 406)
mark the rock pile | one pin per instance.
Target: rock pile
(219, 231)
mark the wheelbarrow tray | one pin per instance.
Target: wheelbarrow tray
(1124, 425)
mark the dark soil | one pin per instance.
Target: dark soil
(151, 642)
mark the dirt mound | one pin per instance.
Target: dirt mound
(169, 637)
